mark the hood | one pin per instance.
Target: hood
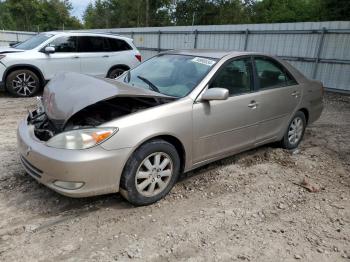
(7, 50)
(68, 93)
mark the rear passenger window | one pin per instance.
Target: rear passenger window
(65, 44)
(271, 74)
(118, 45)
(236, 76)
(93, 44)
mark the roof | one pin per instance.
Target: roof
(212, 53)
(88, 34)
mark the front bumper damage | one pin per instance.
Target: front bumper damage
(99, 170)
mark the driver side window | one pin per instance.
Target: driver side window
(64, 44)
(236, 76)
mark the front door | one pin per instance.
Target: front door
(65, 58)
(222, 127)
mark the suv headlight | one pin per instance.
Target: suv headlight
(81, 138)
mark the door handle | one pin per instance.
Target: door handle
(105, 56)
(75, 57)
(295, 94)
(253, 104)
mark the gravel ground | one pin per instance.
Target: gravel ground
(249, 207)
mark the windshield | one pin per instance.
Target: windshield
(33, 41)
(172, 75)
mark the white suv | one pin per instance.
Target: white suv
(26, 67)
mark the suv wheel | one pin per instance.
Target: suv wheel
(114, 73)
(295, 131)
(150, 173)
(22, 83)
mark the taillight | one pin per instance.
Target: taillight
(138, 57)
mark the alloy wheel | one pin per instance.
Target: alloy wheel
(117, 74)
(295, 130)
(24, 84)
(154, 174)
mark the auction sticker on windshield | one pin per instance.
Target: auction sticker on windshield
(203, 61)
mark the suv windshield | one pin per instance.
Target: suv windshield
(172, 75)
(33, 41)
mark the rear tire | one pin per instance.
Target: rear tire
(116, 72)
(150, 173)
(295, 131)
(22, 83)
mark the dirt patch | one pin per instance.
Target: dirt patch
(249, 207)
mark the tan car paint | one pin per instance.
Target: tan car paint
(207, 131)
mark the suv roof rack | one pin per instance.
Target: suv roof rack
(88, 32)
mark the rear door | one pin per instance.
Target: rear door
(65, 58)
(279, 96)
(94, 55)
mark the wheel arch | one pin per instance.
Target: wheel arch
(178, 146)
(33, 68)
(121, 66)
(170, 139)
(306, 113)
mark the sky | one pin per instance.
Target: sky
(79, 7)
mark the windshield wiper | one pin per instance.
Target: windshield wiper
(150, 84)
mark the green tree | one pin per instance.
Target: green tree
(125, 13)
(6, 19)
(24, 13)
(210, 12)
(97, 15)
(232, 12)
(33, 15)
(280, 11)
(194, 12)
(335, 10)
(55, 14)
(44, 15)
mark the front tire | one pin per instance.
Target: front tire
(22, 83)
(295, 131)
(150, 173)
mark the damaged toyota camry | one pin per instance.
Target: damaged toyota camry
(175, 112)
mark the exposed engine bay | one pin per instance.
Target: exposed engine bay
(92, 115)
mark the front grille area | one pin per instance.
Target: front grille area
(32, 170)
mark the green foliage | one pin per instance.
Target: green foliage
(6, 18)
(44, 15)
(55, 14)
(37, 15)
(280, 11)
(126, 13)
(207, 12)
(335, 10)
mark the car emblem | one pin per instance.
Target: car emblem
(28, 150)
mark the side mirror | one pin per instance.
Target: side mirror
(215, 93)
(49, 50)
